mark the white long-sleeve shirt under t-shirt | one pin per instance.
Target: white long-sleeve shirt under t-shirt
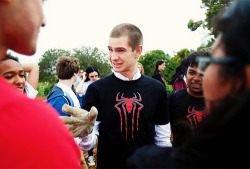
(163, 132)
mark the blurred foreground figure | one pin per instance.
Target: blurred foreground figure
(32, 135)
(222, 139)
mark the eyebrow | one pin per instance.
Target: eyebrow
(118, 47)
(13, 72)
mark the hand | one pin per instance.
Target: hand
(81, 122)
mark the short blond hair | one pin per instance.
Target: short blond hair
(135, 37)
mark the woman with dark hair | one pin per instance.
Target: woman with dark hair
(222, 140)
(159, 66)
(178, 79)
(14, 73)
(91, 75)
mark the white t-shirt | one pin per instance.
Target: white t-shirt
(30, 91)
(72, 95)
(85, 87)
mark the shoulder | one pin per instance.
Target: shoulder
(178, 94)
(55, 92)
(152, 81)
(25, 120)
(110, 79)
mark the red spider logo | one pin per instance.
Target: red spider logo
(129, 105)
(196, 116)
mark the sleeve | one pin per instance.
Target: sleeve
(162, 115)
(88, 142)
(163, 135)
(30, 91)
(58, 103)
(169, 106)
(92, 99)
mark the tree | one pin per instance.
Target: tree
(47, 65)
(213, 8)
(87, 56)
(149, 59)
(93, 56)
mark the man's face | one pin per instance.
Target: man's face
(121, 56)
(215, 86)
(194, 82)
(21, 25)
(81, 73)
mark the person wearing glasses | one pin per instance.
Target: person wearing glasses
(91, 75)
(222, 141)
(187, 106)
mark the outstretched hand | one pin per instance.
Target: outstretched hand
(81, 122)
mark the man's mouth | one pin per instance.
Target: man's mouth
(196, 85)
(117, 65)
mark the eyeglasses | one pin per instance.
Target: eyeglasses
(93, 76)
(203, 62)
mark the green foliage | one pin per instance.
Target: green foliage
(213, 8)
(87, 56)
(44, 88)
(169, 89)
(194, 25)
(148, 60)
(47, 65)
(93, 56)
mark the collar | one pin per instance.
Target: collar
(135, 77)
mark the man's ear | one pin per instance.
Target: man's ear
(138, 51)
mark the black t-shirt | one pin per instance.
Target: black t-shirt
(186, 114)
(128, 111)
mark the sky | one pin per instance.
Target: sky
(75, 23)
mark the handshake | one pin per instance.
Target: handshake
(81, 122)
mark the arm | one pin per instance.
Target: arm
(162, 123)
(33, 70)
(79, 88)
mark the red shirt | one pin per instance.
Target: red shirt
(31, 135)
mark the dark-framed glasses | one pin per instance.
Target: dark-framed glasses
(203, 62)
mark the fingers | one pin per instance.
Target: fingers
(70, 120)
(68, 109)
(74, 111)
(93, 113)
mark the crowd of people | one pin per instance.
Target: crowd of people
(203, 123)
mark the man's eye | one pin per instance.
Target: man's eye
(8, 77)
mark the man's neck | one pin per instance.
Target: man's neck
(135, 76)
(67, 82)
(193, 94)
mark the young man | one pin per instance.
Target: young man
(67, 71)
(131, 107)
(32, 136)
(187, 106)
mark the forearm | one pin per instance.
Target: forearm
(33, 70)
